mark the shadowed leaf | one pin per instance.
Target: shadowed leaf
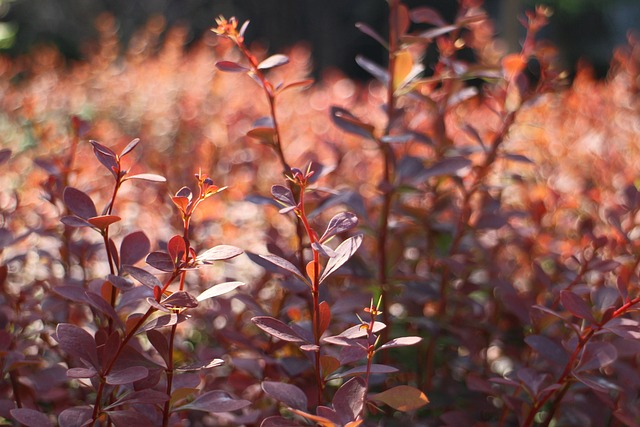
(350, 123)
(134, 247)
(79, 203)
(348, 399)
(160, 260)
(77, 342)
(288, 394)
(216, 401)
(284, 264)
(30, 418)
(576, 305)
(75, 417)
(231, 67)
(127, 375)
(277, 328)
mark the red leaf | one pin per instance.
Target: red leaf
(5, 155)
(177, 249)
(103, 221)
(277, 329)
(79, 203)
(288, 394)
(325, 316)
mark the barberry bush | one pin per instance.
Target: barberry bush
(206, 236)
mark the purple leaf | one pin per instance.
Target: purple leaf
(155, 304)
(120, 282)
(427, 15)
(107, 157)
(358, 331)
(273, 61)
(79, 203)
(531, 379)
(350, 123)
(343, 253)
(127, 375)
(371, 33)
(134, 247)
(77, 342)
(362, 369)
(216, 401)
(143, 276)
(160, 260)
(218, 253)
(147, 396)
(323, 250)
(96, 301)
(73, 293)
(447, 166)
(597, 355)
(277, 328)
(576, 305)
(180, 299)
(374, 69)
(151, 177)
(349, 398)
(162, 321)
(201, 366)
(75, 417)
(338, 224)
(288, 394)
(548, 349)
(284, 196)
(231, 67)
(400, 342)
(5, 155)
(128, 418)
(278, 421)
(284, 264)
(30, 417)
(217, 290)
(130, 146)
(74, 221)
(159, 342)
(596, 383)
(81, 373)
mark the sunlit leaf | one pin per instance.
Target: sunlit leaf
(219, 289)
(277, 328)
(343, 252)
(273, 61)
(402, 398)
(231, 67)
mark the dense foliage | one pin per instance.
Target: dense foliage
(452, 243)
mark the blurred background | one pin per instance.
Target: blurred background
(582, 29)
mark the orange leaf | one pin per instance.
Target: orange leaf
(311, 270)
(402, 68)
(328, 365)
(103, 221)
(325, 316)
(402, 398)
(513, 65)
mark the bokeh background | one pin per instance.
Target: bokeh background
(582, 29)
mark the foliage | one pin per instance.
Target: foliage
(440, 256)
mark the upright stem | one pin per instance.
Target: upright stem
(388, 158)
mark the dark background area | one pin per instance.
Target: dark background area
(582, 29)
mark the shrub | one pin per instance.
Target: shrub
(425, 248)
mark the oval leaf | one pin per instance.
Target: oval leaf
(273, 61)
(160, 260)
(402, 398)
(30, 417)
(277, 328)
(339, 223)
(231, 67)
(134, 247)
(127, 375)
(216, 401)
(343, 253)
(288, 394)
(217, 290)
(219, 253)
(79, 203)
